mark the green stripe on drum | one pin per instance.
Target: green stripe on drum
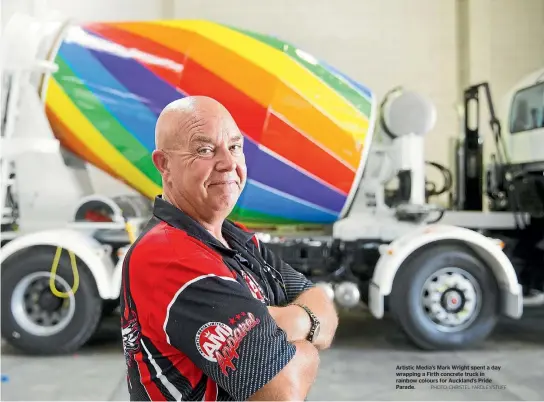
(250, 216)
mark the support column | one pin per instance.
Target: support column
(474, 47)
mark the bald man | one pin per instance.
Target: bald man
(209, 312)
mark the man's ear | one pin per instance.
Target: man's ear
(160, 161)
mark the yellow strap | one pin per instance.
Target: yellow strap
(54, 267)
(54, 290)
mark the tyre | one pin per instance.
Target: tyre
(34, 319)
(445, 298)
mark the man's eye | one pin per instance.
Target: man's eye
(236, 147)
(204, 151)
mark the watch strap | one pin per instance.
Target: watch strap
(314, 320)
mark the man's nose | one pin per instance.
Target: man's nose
(226, 161)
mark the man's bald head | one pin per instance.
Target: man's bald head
(184, 116)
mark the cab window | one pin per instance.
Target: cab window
(527, 112)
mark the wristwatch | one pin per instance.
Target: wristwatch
(316, 325)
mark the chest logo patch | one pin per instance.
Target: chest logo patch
(254, 288)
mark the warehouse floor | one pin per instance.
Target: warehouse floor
(361, 365)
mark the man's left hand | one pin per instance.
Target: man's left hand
(296, 322)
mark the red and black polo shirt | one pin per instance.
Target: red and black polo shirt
(194, 318)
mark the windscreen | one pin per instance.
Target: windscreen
(527, 112)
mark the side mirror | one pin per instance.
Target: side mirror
(407, 112)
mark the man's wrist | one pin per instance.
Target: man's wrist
(302, 320)
(314, 328)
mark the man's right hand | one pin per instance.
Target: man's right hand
(295, 380)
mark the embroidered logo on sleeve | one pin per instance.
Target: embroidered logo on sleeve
(218, 342)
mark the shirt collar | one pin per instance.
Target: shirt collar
(175, 217)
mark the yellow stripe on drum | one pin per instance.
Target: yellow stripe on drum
(61, 104)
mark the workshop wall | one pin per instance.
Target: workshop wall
(88, 10)
(500, 41)
(517, 41)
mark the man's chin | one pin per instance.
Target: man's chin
(225, 203)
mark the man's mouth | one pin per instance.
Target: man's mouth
(223, 182)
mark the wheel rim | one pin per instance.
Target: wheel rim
(37, 310)
(451, 299)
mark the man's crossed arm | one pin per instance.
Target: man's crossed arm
(293, 319)
(296, 322)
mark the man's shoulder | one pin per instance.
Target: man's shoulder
(156, 237)
(163, 244)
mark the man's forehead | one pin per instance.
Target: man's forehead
(216, 136)
(198, 118)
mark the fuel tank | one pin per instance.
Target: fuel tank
(307, 126)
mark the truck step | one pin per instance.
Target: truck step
(536, 298)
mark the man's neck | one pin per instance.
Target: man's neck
(215, 228)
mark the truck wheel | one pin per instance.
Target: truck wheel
(36, 321)
(445, 298)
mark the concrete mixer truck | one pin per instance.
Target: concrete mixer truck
(82, 99)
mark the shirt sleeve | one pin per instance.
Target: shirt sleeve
(295, 282)
(216, 322)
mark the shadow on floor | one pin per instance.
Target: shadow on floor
(360, 330)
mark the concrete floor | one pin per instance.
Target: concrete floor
(361, 365)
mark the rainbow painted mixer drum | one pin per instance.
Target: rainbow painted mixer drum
(306, 124)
